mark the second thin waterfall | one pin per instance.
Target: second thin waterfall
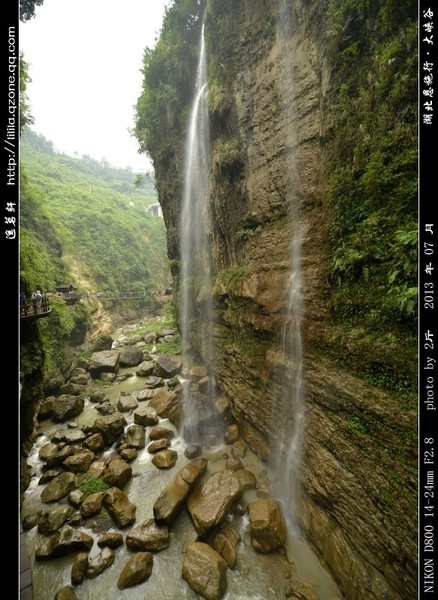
(289, 448)
(195, 307)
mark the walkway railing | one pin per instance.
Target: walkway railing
(35, 308)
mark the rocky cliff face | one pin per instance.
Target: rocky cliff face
(271, 87)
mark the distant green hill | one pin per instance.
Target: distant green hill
(100, 219)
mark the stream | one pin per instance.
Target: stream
(255, 577)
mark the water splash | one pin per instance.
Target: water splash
(196, 320)
(289, 449)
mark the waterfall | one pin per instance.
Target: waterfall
(196, 318)
(290, 444)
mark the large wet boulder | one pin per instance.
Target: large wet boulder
(145, 416)
(59, 487)
(148, 536)
(117, 473)
(106, 361)
(165, 459)
(126, 402)
(66, 593)
(137, 570)
(211, 502)
(131, 356)
(92, 504)
(51, 520)
(120, 509)
(67, 407)
(64, 541)
(167, 366)
(267, 527)
(110, 427)
(112, 540)
(136, 436)
(225, 542)
(145, 368)
(170, 502)
(100, 563)
(163, 402)
(205, 571)
(80, 462)
(79, 568)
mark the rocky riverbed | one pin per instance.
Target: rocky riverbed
(120, 503)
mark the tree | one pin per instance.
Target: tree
(25, 115)
(27, 9)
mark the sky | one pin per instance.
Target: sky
(85, 58)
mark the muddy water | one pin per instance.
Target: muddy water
(256, 576)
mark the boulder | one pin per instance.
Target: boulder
(193, 451)
(167, 366)
(48, 450)
(231, 434)
(66, 593)
(64, 541)
(153, 382)
(51, 520)
(158, 433)
(205, 571)
(106, 361)
(79, 567)
(100, 563)
(94, 442)
(112, 540)
(117, 473)
(163, 402)
(158, 445)
(72, 389)
(136, 436)
(211, 502)
(120, 509)
(72, 436)
(145, 394)
(80, 462)
(225, 542)
(170, 502)
(45, 409)
(165, 459)
(137, 570)
(149, 536)
(197, 372)
(92, 504)
(267, 527)
(49, 475)
(59, 487)
(145, 416)
(126, 402)
(145, 368)
(97, 396)
(59, 457)
(130, 356)
(128, 454)
(67, 407)
(110, 427)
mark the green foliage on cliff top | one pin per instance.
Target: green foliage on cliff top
(373, 187)
(168, 70)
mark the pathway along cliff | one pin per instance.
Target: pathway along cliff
(118, 500)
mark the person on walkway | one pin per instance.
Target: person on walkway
(22, 303)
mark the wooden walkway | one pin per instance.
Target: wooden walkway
(35, 309)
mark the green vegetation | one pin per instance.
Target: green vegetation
(88, 484)
(372, 155)
(100, 217)
(231, 277)
(168, 72)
